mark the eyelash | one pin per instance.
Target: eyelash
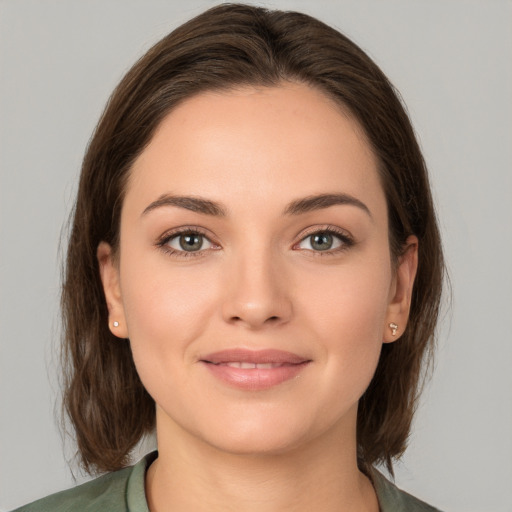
(164, 240)
(345, 238)
(346, 241)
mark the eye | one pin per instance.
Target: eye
(325, 240)
(189, 242)
(186, 241)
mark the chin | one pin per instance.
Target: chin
(257, 444)
(263, 435)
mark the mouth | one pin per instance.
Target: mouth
(254, 370)
(255, 366)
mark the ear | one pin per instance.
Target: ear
(401, 291)
(109, 273)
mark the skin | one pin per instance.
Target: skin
(257, 282)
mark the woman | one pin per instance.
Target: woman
(254, 270)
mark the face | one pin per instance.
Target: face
(253, 278)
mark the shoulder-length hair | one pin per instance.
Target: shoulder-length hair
(228, 46)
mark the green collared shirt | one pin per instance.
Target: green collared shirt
(123, 491)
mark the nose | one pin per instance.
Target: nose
(257, 292)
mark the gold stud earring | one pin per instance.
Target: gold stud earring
(116, 324)
(393, 327)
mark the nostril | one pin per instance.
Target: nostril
(271, 319)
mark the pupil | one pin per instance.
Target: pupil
(322, 241)
(191, 242)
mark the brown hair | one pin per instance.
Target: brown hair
(228, 46)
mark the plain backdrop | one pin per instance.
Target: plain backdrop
(451, 60)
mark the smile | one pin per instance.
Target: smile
(254, 370)
(257, 366)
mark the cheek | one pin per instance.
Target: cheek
(346, 311)
(350, 302)
(165, 309)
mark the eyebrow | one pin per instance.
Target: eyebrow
(195, 204)
(321, 201)
(297, 207)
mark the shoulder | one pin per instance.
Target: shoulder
(120, 491)
(392, 499)
(106, 492)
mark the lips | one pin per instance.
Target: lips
(254, 370)
(258, 366)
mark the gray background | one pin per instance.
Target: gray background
(451, 60)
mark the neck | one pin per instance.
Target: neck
(321, 475)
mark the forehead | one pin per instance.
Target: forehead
(260, 144)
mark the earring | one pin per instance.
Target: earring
(393, 327)
(116, 324)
